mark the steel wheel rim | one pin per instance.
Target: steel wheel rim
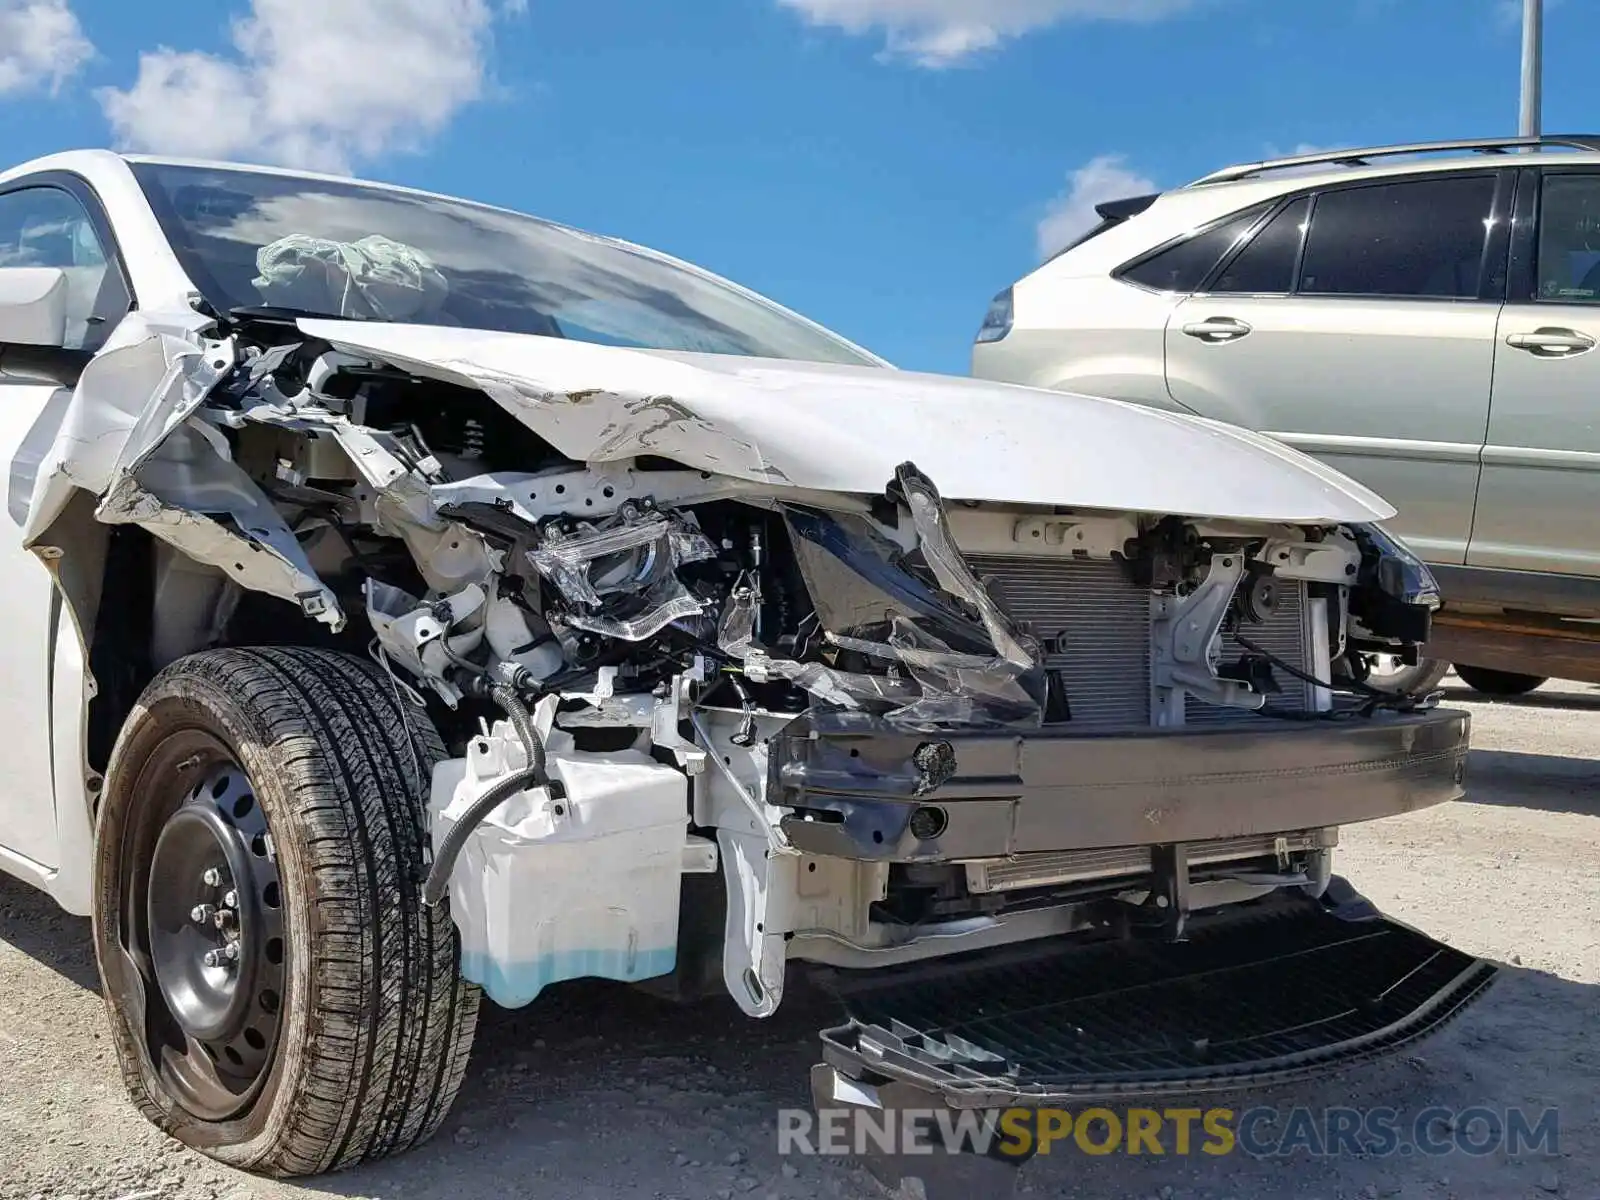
(206, 930)
(1383, 669)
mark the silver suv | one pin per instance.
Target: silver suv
(1422, 317)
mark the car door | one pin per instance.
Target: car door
(1541, 461)
(1358, 324)
(40, 226)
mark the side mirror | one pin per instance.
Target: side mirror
(33, 306)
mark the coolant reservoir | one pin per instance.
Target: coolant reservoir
(547, 888)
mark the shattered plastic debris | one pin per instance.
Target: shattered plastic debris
(870, 605)
(845, 689)
(951, 570)
(621, 577)
(959, 688)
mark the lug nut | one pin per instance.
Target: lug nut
(201, 913)
(212, 877)
(230, 899)
(223, 919)
(212, 958)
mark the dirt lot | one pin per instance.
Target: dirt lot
(597, 1091)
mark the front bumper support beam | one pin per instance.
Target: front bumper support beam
(855, 783)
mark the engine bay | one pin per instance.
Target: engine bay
(647, 671)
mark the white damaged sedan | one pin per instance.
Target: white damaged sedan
(410, 598)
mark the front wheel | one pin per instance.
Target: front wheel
(1389, 673)
(1499, 683)
(280, 998)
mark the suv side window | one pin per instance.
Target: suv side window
(1183, 267)
(1569, 239)
(49, 227)
(1266, 265)
(1422, 237)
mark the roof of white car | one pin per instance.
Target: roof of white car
(88, 162)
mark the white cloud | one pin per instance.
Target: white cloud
(41, 45)
(941, 33)
(320, 84)
(1071, 214)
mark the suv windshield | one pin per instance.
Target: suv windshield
(254, 238)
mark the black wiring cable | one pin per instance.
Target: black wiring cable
(445, 861)
(534, 775)
(1376, 697)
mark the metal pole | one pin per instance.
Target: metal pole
(1529, 122)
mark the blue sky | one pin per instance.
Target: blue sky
(884, 166)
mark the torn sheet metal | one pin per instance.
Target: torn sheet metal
(191, 497)
(844, 429)
(620, 577)
(154, 371)
(127, 437)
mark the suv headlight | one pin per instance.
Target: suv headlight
(1395, 594)
(997, 321)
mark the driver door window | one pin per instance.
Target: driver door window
(1569, 240)
(49, 227)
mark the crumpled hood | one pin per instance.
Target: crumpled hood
(846, 429)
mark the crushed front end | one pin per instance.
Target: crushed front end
(1012, 777)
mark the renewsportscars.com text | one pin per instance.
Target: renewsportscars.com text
(1260, 1132)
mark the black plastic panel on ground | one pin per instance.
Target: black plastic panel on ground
(1286, 992)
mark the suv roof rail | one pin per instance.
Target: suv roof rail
(1360, 156)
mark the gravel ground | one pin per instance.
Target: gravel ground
(598, 1091)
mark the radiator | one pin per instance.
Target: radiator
(1094, 625)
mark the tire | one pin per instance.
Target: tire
(1410, 681)
(1498, 683)
(306, 763)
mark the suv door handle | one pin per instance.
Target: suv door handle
(1552, 342)
(1218, 329)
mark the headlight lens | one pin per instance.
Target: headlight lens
(1396, 569)
(997, 321)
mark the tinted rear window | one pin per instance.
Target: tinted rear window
(1267, 263)
(1183, 267)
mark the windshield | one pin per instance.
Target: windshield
(252, 238)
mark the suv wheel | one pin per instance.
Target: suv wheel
(280, 998)
(1387, 673)
(1498, 683)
